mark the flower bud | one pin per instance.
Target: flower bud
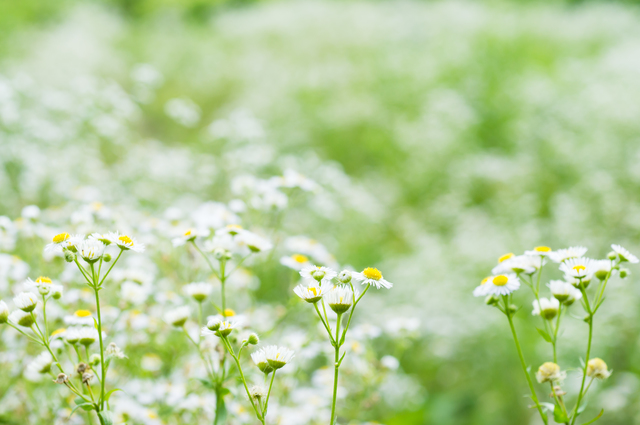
(106, 257)
(87, 377)
(56, 294)
(318, 274)
(44, 289)
(624, 273)
(94, 360)
(257, 393)
(491, 300)
(345, 276)
(220, 254)
(62, 379)
(82, 368)
(596, 368)
(612, 255)
(214, 324)
(253, 339)
(513, 308)
(69, 256)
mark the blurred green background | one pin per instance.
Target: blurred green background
(480, 127)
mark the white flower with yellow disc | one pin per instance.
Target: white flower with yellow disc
(502, 284)
(372, 276)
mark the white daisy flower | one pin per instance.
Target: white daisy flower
(277, 357)
(91, 250)
(517, 264)
(502, 284)
(59, 242)
(578, 268)
(177, 317)
(561, 255)
(547, 308)
(199, 291)
(4, 312)
(45, 286)
(252, 241)
(125, 242)
(72, 335)
(540, 251)
(563, 291)
(372, 276)
(311, 293)
(602, 268)
(87, 335)
(260, 359)
(188, 236)
(80, 318)
(22, 318)
(624, 255)
(41, 364)
(26, 301)
(317, 273)
(296, 261)
(340, 299)
(481, 290)
(218, 327)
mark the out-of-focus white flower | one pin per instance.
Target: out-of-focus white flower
(26, 301)
(624, 255)
(151, 363)
(390, 362)
(125, 242)
(563, 291)
(183, 111)
(526, 264)
(30, 212)
(79, 318)
(320, 274)
(199, 291)
(560, 255)
(578, 268)
(259, 357)
(372, 276)
(540, 251)
(22, 318)
(252, 241)
(295, 261)
(481, 290)
(278, 357)
(4, 312)
(188, 236)
(546, 308)
(113, 350)
(41, 364)
(177, 317)
(502, 284)
(601, 268)
(87, 335)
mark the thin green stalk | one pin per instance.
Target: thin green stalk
(586, 361)
(555, 335)
(244, 381)
(534, 397)
(336, 371)
(96, 290)
(326, 326)
(266, 403)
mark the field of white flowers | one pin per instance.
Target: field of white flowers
(280, 213)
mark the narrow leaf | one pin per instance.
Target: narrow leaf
(582, 407)
(545, 335)
(596, 418)
(107, 417)
(108, 395)
(559, 415)
(85, 406)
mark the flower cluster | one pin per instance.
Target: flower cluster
(577, 272)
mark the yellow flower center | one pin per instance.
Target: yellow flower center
(43, 279)
(372, 273)
(60, 238)
(314, 290)
(542, 249)
(82, 313)
(505, 257)
(152, 415)
(500, 280)
(485, 280)
(97, 206)
(125, 239)
(579, 268)
(299, 258)
(58, 331)
(234, 226)
(188, 232)
(229, 313)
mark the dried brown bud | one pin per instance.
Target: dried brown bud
(62, 379)
(82, 367)
(86, 378)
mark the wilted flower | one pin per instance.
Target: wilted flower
(550, 372)
(597, 368)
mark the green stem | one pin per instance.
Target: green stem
(586, 361)
(523, 363)
(96, 289)
(335, 373)
(324, 323)
(244, 381)
(110, 268)
(353, 308)
(266, 403)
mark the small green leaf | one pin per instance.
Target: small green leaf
(206, 384)
(106, 416)
(224, 392)
(582, 407)
(596, 418)
(85, 406)
(545, 335)
(108, 395)
(559, 415)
